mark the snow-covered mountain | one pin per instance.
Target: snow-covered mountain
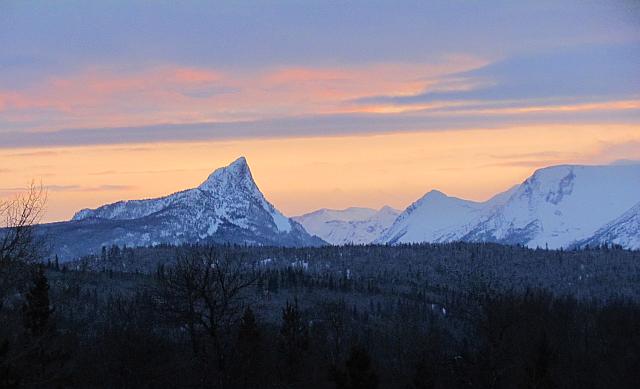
(556, 207)
(352, 225)
(226, 207)
(623, 231)
(437, 217)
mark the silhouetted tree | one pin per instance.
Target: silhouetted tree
(294, 338)
(249, 349)
(205, 292)
(36, 309)
(543, 358)
(19, 245)
(358, 372)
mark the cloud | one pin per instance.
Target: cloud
(530, 163)
(618, 152)
(173, 102)
(38, 153)
(625, 162)
(134, 172)
(62, 188)
(79, 188)
(539, 154)
(532, 159)
(106, 188)
(309, 126)
(114, 97)
(237, 34)
(72, 188)
(572, 75)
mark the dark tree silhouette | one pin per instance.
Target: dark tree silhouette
(19, 245)
(294, 339)
(249, 349)
(205, 293)
(36, 309)
(248, 332)
(358, 372)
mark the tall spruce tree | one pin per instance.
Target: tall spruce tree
(294, 338)
(36, 309)
(358, 372)
(248, 332)
(249, 349)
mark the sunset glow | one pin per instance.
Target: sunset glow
(353, 116)
(301, 174)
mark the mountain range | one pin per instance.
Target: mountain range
(348, 226)
(559, 206)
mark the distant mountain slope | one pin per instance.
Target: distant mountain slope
(227, 207)
(623, 231)
(437, 217)
(555, 207)
(351, 225)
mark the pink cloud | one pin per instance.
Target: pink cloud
(99, 97)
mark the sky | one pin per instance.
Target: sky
(334, 104)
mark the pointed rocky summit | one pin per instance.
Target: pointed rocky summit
(227, 207)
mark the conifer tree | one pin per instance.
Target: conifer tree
(249, 348)
(358, 372)
(248, 332)
(36, 310)
(294, 338)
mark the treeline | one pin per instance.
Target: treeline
(222, 317)
(600, 272)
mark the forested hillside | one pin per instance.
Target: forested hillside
(409, 316)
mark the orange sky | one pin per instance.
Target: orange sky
(333, 105)
(302, 174)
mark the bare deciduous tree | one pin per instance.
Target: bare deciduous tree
(19, 245)
(205, 292)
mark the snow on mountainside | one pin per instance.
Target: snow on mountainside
(437, 217)
(348, 226)
(623, 231)
(227, 207)
(555, 207)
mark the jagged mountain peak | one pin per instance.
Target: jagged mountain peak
(236, 174)
(226, 207)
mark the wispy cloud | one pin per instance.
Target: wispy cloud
(102, 105)
(105, 97)
(72, 188)
(312, 126)
(134, 172)
(608, 151)
(624, 162)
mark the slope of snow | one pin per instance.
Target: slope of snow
(228, 193)
(437, 217)
(433, 218)
(555, 207)
(560, 205)
(348, 226)
(623, 231)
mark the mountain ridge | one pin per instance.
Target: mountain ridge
(353, 225)
(555, 207)
(227, 207)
